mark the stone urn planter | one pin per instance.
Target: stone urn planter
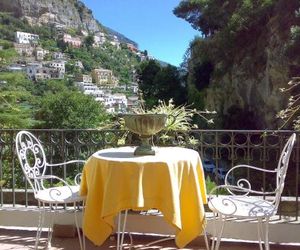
(145, 125)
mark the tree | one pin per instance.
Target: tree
(14, 114)
(89, 41)
(204, 15)
(7, 54)
(146, 74)
(16, 102)
(169, 85)
(236, 36)
(70, 110)
(213, 16)
(160, 83)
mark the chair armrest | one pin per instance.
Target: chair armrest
(230, 171)
(243, 185)
(51, 177)
(77, 177)
(65, 163)
(243, 191)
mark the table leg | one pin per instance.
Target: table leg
(120, 238)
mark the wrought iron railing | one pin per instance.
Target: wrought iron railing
(219, 149)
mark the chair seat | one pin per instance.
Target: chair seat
(63, 194)
(242, 206)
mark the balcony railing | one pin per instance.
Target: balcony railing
(219, 149)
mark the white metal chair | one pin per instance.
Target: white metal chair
(36, 170)
(243, 202)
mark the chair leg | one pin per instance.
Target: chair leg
(259, 233)
(80, 237)
(214, 231)
(222, 221)
(83, 236)
(40, 224)
(267, 246)
(206, 240)
(120, 240)
(217, 235)
(51, 222)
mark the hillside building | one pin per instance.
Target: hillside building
(59, 65)
(26, 38)
(99, 39)
(58, 56)
(79, 64)
(104, 77)
(133, 102)
(115, 42)
(24, 49)
(16, 67)
(40, 53)
(72, 41)
(37, 71)
(132, 48)
(83, 78)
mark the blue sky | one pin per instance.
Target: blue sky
(150, 23)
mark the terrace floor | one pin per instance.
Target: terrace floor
(12, 239)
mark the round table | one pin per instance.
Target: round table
(171, 181)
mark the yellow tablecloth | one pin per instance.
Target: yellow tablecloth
(172, 181)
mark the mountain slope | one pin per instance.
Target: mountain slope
(59, 13)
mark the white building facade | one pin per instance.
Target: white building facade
(26, 38)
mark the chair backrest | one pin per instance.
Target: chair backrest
(283, 166)
(32, 159)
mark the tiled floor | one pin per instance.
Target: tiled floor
(25, 239)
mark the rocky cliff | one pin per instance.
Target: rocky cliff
(251, 87)
(65, 13)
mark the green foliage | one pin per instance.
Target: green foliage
(16, 101)
(120, 61)
(71, 68)
(108, 56)
(210, 185)
(230, 26)
(46, 87)
(179, 117)
(7, 53)
(20, 98)
(45, 32)
(49, 44)
(233, 31)
(146, 74)
(6, 44)
(71, 110)
(7, 56)
(89, 41)
(212, 16)
(10, 24)
(160, 83)
(46, 104)
(196, 97)
(72, 32)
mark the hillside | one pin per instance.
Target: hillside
(108, 53)
(45, 66)
(66, 14)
